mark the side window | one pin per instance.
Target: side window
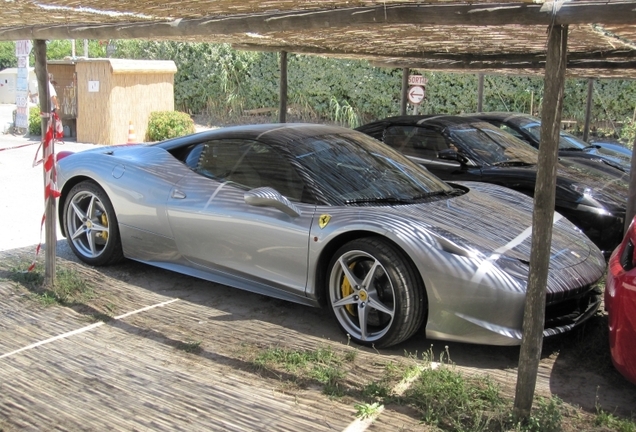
(250, 165)
(511, 131)
(415, 141)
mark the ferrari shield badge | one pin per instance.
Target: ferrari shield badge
(324, 220)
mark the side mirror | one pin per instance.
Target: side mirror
(269, 197)
(450, 154)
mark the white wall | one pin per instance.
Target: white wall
(8, 79)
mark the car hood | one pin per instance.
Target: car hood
(576, 184)
(609, 190)
(491, 221)
(617, 157)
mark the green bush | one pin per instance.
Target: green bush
(168, 124)
(628, 133)
(216, 80)
(35, 121)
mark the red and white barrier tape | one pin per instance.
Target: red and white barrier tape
(48, 158)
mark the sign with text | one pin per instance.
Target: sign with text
(417, 80)
(21, 118)
(23, 48)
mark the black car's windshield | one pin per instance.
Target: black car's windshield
(357, 169)
(566, 141)
(489, 145)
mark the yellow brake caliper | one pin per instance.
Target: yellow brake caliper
(347, 290)
(104, 234)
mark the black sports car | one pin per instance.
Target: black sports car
(462, 148)
(528, 128)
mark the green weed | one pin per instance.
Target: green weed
(70, 288)
(322, 365)
(190, 346)
(365, 410)
(608, 420)
(449, 401)
(546, 417)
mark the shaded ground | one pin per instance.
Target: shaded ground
(133, 372)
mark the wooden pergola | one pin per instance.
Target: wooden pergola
(573, 38)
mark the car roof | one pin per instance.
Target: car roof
(519, 119)
(437, 120)
(269, 132)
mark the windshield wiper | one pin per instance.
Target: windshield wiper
(450, 193)
(592, 147)
(387, 200)
(613, 164)
(512, 163)
(413, 199)
(572, 149)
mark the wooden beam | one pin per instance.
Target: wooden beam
(588, 109)
(617, 12)
(41, 72)
(631, 198)
(405, 89)
(498, 66)
(480, 92)
(282, 109)
(443, 56)
(542, 221)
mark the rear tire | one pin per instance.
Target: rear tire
(375, 293)
(91, 225)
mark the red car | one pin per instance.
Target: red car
(620, 303)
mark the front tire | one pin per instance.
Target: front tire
(91, 225)
(375, 293)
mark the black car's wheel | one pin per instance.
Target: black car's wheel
(374, 293)
(91, 225)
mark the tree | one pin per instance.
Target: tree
(7, 55)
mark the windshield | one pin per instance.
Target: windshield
(489, 145)
(566, 141)
(357, 169)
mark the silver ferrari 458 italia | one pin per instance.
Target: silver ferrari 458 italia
(327, 216)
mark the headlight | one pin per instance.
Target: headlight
(580, 188)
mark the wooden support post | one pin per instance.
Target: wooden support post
(588, 109)
(42, 74)
(282, 109)
(542, 220)
(532, 103)
(631, 198)
(405, 89)
(480, 93)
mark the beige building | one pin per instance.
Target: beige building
(99, 98)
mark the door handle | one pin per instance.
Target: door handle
(177, 194)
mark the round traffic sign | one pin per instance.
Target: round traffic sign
(416, 94)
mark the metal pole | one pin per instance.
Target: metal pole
(480, 93)
(405, 89)
(282, 109)
(588, 109)
(49, 205)
(542, 220)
